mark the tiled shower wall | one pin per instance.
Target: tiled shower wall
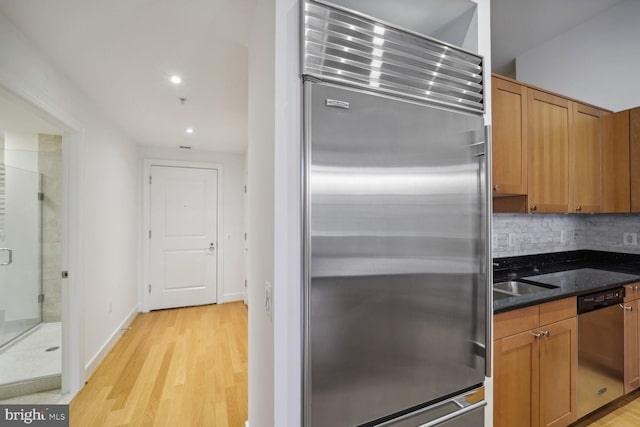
(50, 166)
(525, 234)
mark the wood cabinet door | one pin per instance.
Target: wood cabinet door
(631, 292)
(634, 155)
(516, 381)
(616, 191)
(558, 370)
(631, 342)
(550, 119)
(509, 137)
(586, 159)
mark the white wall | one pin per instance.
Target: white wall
(260, 206)
(484, 49)
(288, 216)
(109, 228)
(232, 232)
(596, 62)
(104, 172)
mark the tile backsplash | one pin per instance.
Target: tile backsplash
(525, 234)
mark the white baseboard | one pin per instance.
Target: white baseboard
(107, 346)
(238, 296)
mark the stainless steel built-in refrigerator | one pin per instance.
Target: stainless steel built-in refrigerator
(395, 226)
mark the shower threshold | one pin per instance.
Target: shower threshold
(27, 365)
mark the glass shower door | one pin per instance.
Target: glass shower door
(20, 251)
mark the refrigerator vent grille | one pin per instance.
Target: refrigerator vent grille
(344, 47)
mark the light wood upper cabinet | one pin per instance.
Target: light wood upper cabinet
(556, 155)
(585, 172)
(509, 137)
(550, 119)
(615, 163)
(634, 148)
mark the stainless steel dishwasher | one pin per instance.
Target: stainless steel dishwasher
(600, 349)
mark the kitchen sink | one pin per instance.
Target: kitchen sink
(516, 287)
(498, 295)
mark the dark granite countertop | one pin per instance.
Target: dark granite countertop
(574, 273)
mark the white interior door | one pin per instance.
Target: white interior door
(183, 237)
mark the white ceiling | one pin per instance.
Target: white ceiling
(520, 25)
(121, 52)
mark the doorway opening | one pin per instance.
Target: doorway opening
(38, 343)
(30, 262)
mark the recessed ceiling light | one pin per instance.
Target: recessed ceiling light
(175, 79)
(189, 130)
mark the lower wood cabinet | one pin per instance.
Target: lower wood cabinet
(535, 365)
(631, 338)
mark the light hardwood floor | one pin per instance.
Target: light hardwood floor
(179, 367)
(624, 412)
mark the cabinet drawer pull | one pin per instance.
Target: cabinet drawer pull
(533, 208)
(625, 307)
(497, 188)
(546, 333)
(578, 208)
(538, 335)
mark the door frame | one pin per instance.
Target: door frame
(147, 164)
(73, 372)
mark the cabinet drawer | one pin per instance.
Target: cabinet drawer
(556, 311)
(516, 321)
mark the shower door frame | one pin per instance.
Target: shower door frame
(25, 291)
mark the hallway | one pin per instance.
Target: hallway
(185, 366)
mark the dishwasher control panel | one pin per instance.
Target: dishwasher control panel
(600, 299)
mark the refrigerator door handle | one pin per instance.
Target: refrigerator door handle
(10, 257)
(441, 412)
(487, 203)
(453, 415)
